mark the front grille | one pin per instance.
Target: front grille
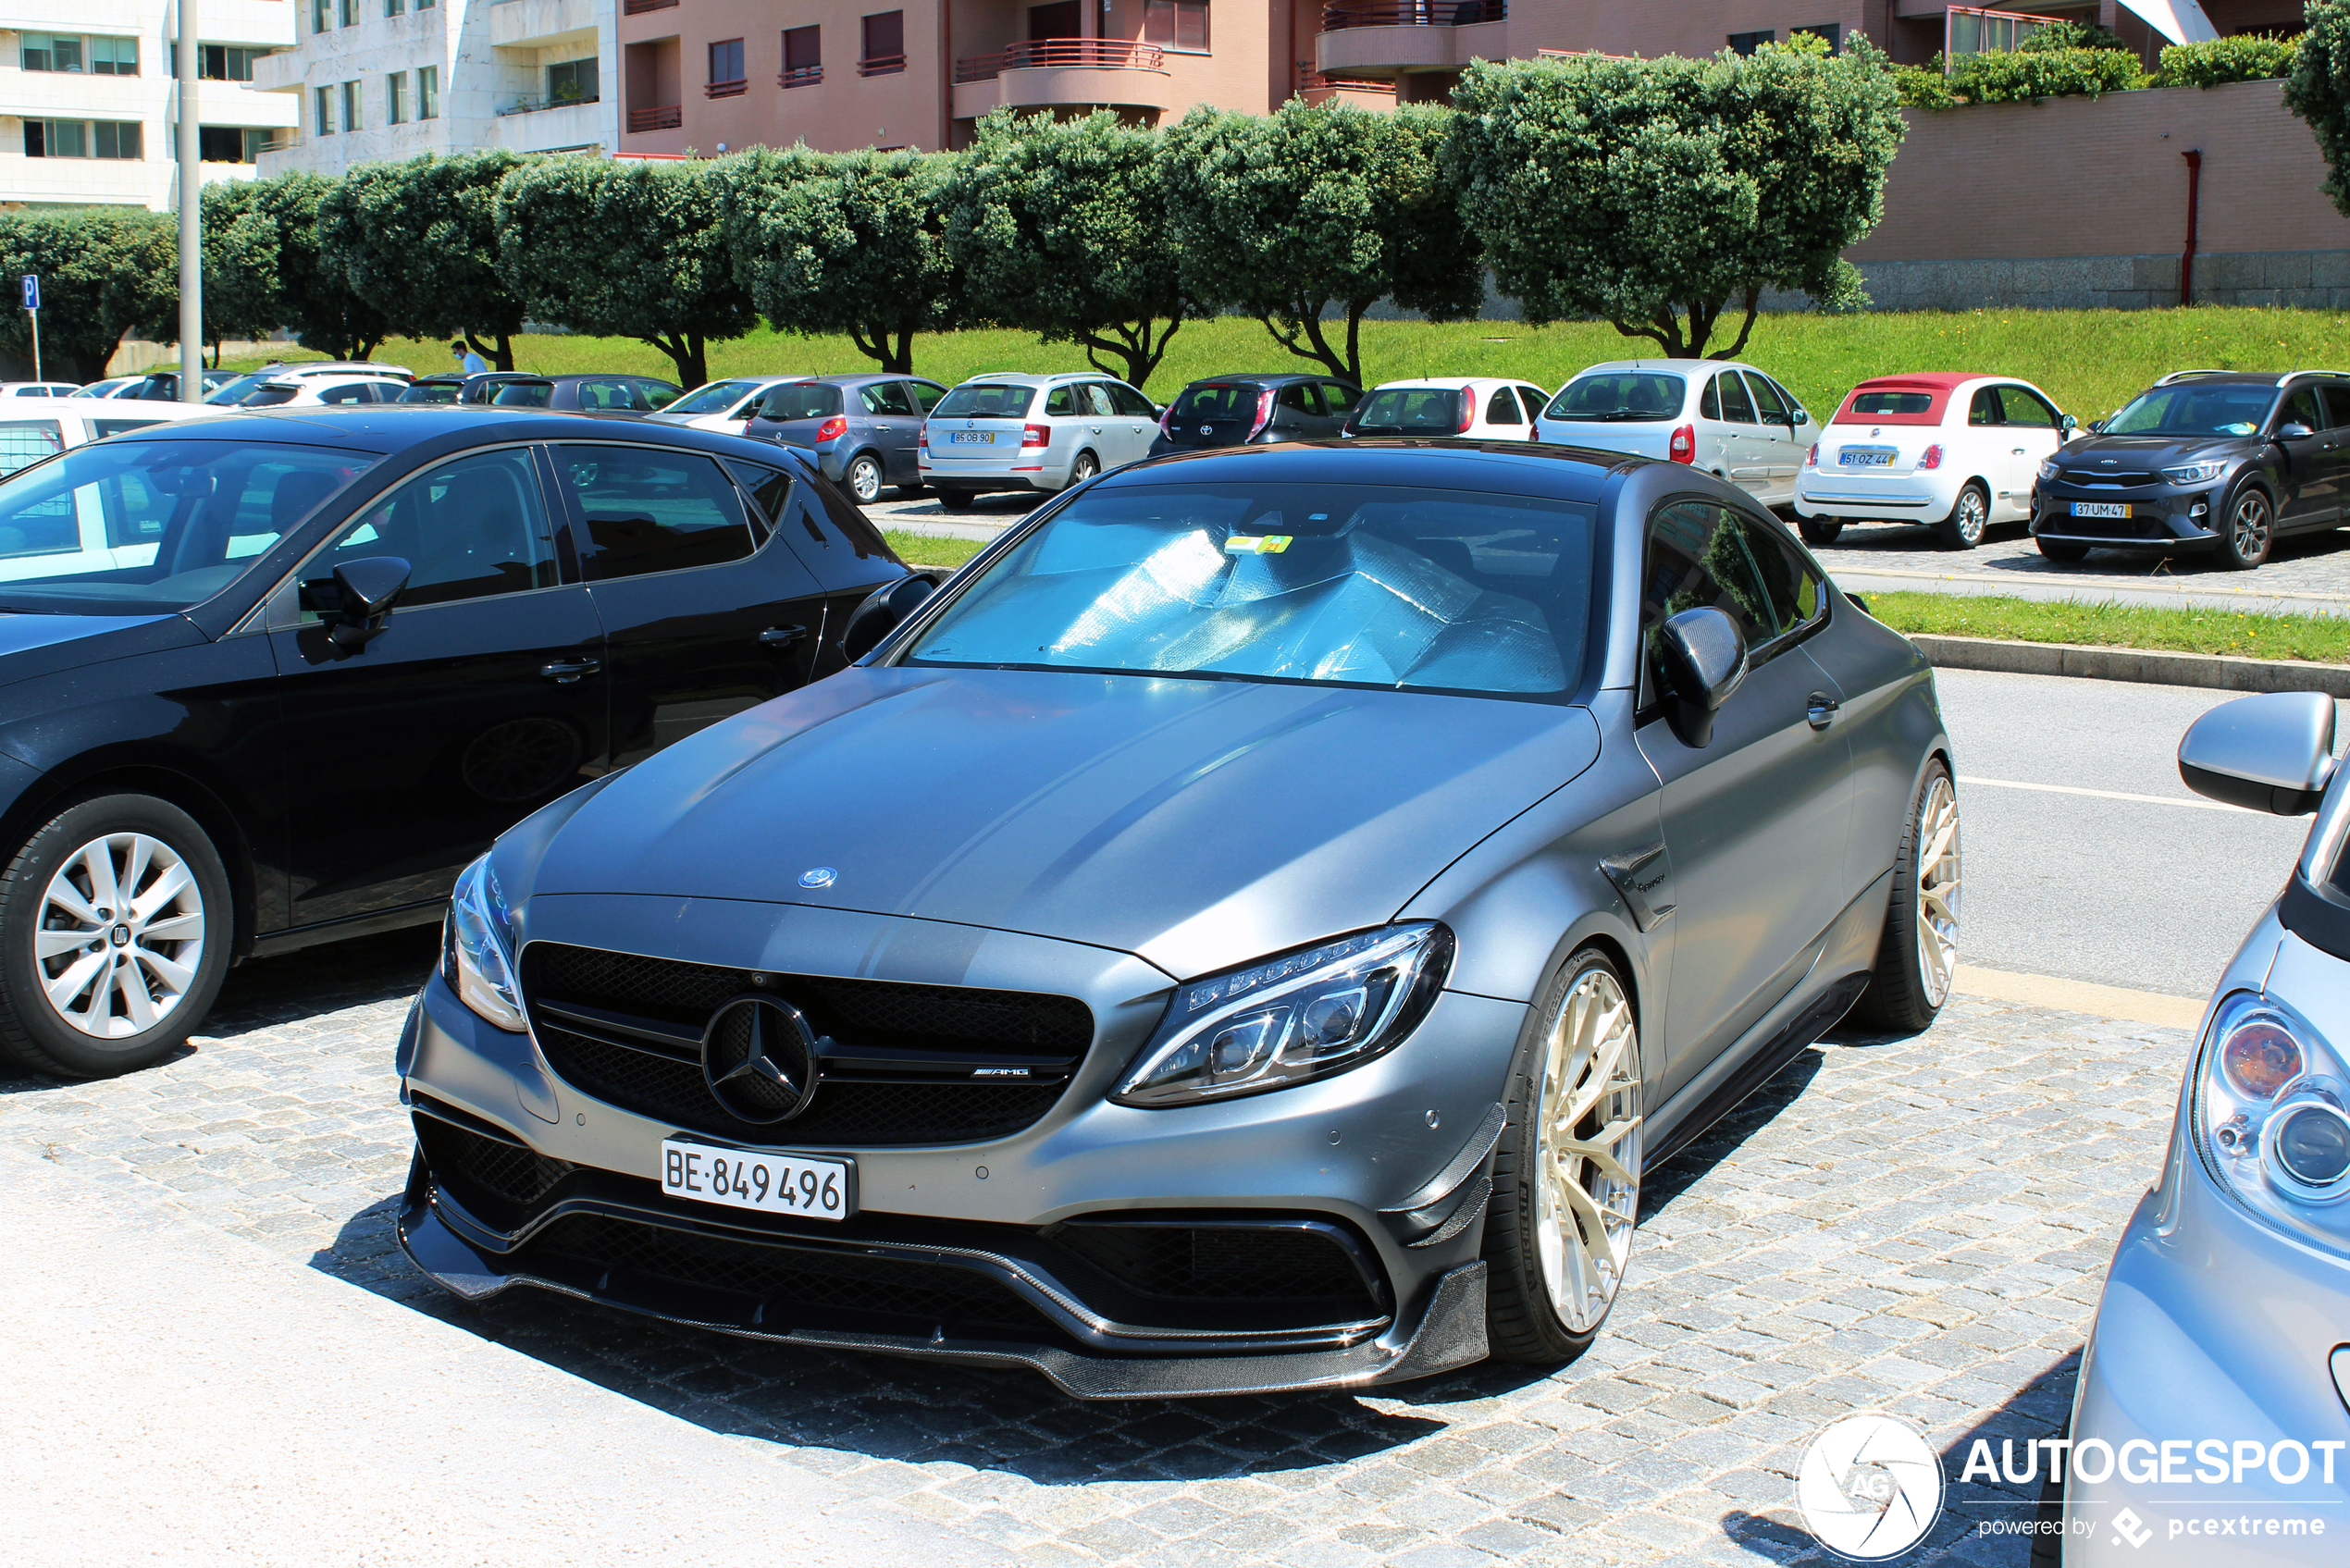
(881, 1295)
(1228, 1263)
(2094, 478)
(914, 1085)
(465, 1159)
(2110, 528)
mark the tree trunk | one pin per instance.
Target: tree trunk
(498, 351)
(1129, 342)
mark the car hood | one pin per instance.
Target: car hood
(1197, 825)
(2087, 455)
(34, 645)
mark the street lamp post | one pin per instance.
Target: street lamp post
(191, 216)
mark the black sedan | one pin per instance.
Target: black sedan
(1255, 409)
(570, 394)
(270, 679)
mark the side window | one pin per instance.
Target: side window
(2021, 405)
(1502, 408)
(1790, 583)
(1096, 398)
(1709, 402)
(1984, 409)
(355, 392)
(1737, 408)
(1533, 398)
(1339, 398)
(769, 489)
(1696, 558)
(2337, 401)
(1300, 396)
(1061, 400)
(927, 395)
(656, 395)
(886, 397)
(647, 511)
(26, 441)
(470, 528)
(2300, 407)
(1129, 402)
(1766, 401)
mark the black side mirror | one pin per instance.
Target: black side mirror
(1704, 657)
(2096, 426)
(884, 612)
(2294, 430)
(358, 600)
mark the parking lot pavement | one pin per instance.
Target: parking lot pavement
(1919, 1225)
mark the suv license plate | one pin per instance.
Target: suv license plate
(804, 1186)
(1851, 458)
(970, 438)
(2100, 508)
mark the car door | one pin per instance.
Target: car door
(1775, 439)
(1339, 401)
(1745, 456)
(1755, 822)
(705, 610)
(891, 426)
(481, 699)
(2313, 485)
(1504, 418)
(1112, 440)
(2030, 432)
(1141, 419)
(1533, 400)
(2334, 440)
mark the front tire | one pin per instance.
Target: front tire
(1566, 1178)
(864, 478)
(2250, 531)
(1970, 514)
(1918, 955)
(116, 921)
(1819, 532)
(956, 500)
(2063, 553)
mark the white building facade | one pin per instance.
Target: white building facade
(376, 79)
(88, 105)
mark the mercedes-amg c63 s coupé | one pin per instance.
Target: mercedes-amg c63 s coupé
(1252, 928)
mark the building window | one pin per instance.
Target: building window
(114, 56)
(1832, 31)
(321, 15)
(117, 139)
(1176, 24)
(395, 7)
(348, 11)
(51, 52)
(325, 101)
(84, 139)
(396, 98)
(222, 62)
(426, 5)
(230, 144)
(1748, 43)
(351, 105)
(803, 56)
(885, 39)
(573, 82)
(428, 92)
(727, 68)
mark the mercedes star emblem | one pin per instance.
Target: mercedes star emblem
(818, 876)
(759, 1057)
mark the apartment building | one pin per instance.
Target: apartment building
(88, 106)
(375, 80)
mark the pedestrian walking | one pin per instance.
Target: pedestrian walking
(469, 362)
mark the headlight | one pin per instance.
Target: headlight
(2195, 473)
(2048, 470)
(476, 949)
(1306, 1015)
(2269, 1117)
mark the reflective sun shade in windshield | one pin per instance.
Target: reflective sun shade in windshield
(1620, 395)
(1347, 585)
(2196, 410)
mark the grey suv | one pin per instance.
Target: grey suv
(1004, 432)
(862, 429)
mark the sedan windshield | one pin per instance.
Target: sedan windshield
(1338, 585)
(135, 526)
(1619, 395)
(524, 394)
(244, 386)
(716, 398)
(2192, 409)
(801, 399)
(987, 400)
(1219, 400)
(431, 392)
(1410, 410)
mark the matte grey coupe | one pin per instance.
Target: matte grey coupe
(1252, 928)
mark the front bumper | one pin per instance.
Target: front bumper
(2162, 517)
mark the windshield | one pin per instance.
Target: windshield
(430, 392)
(2194, 410)
(1620, 395)
(1410, 410)
(236, 392)
(716, 398)
(801, 399)
(523, 394)
(1340, 585)
(136, 525)
(1224, 400)
(271, 397)
(987, 400)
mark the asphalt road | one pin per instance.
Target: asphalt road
(2155, 894)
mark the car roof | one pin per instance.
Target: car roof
(855, 378)
(389, 429)
(1266, 379)
(1932, 380)
(1023, 378)
(1677, 366)
(1449, 383)
(1502, 468)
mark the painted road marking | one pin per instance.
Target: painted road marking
(2109, 795)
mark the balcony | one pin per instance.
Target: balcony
(553, 127)
(1386, 39)
(1063, 70)
(660, 117)
(281, 72)
(540, 104)
(734, 89)
(639, 8)
(801, 76)
(543, 24)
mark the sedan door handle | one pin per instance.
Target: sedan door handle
(1821, 710)
(780, 636)
(563, 671)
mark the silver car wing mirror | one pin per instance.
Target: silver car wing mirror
(1704, 656)
(2274, 752)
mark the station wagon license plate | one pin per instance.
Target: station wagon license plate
(970, 438)
(1866, 457)
(804, 1186)
(2100, 508)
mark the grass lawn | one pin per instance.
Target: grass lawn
(2324, 639)
(2091, 362)
(929, 550)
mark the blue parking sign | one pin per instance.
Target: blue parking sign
(32, 292)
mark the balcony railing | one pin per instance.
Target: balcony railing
(1095, 54)
(531, 106)
(799, 75)
(639, 8)
(882, 65)
(660, 117)
(1311, 84)
(734, 89)
(1343, 14)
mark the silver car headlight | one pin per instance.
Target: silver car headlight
(2271, 1110)
(1301, 1015)
(2195, 473)
(2048, 470)
(476, 949)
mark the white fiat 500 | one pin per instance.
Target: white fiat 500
(1730, 420)
(1956, 452)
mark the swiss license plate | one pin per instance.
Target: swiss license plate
(2100, 508)
(970, 438)
(1865, 457)
(805, 1186)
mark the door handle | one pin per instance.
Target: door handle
(780, 638)
(563, 671)
(1821, 710)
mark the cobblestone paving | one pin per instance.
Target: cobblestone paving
(1920, 1225)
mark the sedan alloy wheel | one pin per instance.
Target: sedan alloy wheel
(1937, 889)
(121, 935)
(2250, 529)
(1587, 1143)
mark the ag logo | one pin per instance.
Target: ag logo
(1870, 1487)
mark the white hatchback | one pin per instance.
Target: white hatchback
(1727, 418)
(1958, 451)
(720, 406)
(102, 541)
(1475, 408)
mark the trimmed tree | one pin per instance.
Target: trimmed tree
(1061, 228)
(1307, 218)
(851, 242)
(623, 250)
(2319, 91)
(418, 240)
(103, 273)
(303, 294)
(1661, 195)
(242, 298)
